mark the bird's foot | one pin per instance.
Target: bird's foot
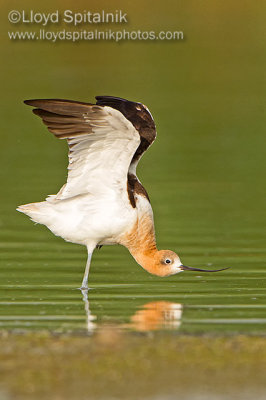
(83, 287)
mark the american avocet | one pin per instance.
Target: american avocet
(103, 201)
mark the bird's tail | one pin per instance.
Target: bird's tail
(36, 211)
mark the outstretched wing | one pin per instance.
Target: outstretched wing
(140, 117)
(102, 143)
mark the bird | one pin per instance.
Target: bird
(103, 202)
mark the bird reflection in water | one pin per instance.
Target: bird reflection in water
(151, 316)
(157, 315)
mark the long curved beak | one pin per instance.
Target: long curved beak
(185, 268)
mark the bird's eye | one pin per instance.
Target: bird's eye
(168, 261)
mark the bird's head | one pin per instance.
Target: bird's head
(166, 262)
(162, 263)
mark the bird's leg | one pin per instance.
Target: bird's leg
(84, 285)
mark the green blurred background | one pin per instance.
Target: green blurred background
(205, 173)
(206, 95)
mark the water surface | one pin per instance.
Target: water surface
(205, 175)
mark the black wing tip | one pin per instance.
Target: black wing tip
(107, 97)
(30, 102)
(37, 102)
(100, 100)
(38, 111)
(114, 101)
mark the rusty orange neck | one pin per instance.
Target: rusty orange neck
(141, 243)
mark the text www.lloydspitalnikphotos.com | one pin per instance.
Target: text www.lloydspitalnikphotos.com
(80, 20)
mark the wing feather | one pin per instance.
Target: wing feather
(102, 143)
(141, 118)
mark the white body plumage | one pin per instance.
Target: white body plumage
(103, 201)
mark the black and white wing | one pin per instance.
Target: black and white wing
(105, 140)
(141, 118)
